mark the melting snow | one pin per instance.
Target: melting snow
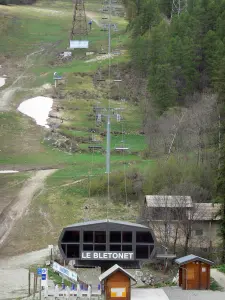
(8, 171)
(2, 81)
(37, 108)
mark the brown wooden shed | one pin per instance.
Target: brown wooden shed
(116, 283)
(194, 272)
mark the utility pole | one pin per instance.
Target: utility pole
(109, 75)
(79, 23)
(178, 6)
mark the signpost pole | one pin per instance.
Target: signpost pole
(34, 286)
(29, 283)
(40, 290)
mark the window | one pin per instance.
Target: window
(142, 252)
(100, 247)
(116, 248)
(157, 213)
(115, 237)
(71, 236)
(100, 237)
(144, 237)
(88, 236)
(73, 251)
(127, 237)
(87, 247)
(127, 248)
(199, 232)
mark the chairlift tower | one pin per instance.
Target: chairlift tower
(178, 6)
(79, 29)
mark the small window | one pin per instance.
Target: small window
(88, 236)
(100, 237)
(71, 236)
(87, 247)
(127, 248)
(144, 237)
(73, 251)
(100, 247)
(115, 237)
(142, 252)
(116, 248)
(199, 232)
(127, 237)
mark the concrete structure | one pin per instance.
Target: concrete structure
(171, 216)
(194, 272)
(106, 242)
(116, 283)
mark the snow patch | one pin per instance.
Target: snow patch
(2, 81)
(8, 171)
(37, 108)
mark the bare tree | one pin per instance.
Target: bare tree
(176, 219)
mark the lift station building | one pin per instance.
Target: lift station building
(104, 243)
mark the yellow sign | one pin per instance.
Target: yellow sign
(118, 292)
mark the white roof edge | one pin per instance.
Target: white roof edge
(113, 269)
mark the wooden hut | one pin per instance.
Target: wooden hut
(116, 283)
(194, 272)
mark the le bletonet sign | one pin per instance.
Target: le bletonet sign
(102, 255)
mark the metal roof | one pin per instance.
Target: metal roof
(186, 259)
(94, 222)
(168, 201)
(206, 211)
(112, 270)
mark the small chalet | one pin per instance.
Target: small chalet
(167, 216)
(194, 272)
(116, 283)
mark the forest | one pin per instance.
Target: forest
(181, 57)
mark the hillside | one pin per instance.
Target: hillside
(166, 97)
(38, 34)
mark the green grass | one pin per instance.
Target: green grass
(221, 268)
(55, 277)
(214, 286)
(61, 202)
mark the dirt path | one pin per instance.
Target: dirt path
(7, 94)
(14, 211)
(219, 277)
(94, 17)
(14, 273)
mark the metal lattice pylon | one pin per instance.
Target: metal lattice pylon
(178, 7)
(79, 24)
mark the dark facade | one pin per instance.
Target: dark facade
(194, 272)
(106, 242)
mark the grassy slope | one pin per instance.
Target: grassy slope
(47, 25)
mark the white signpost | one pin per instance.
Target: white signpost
(64, 271)
(44, 278)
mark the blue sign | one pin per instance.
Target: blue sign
(43, 277)
(39, 271)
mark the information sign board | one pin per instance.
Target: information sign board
(39, 271)
(79, 44)
(64, 271)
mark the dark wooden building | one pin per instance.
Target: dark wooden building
(116, 283)
(194, 272)
(104, 243)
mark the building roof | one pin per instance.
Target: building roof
(206, 212)
(189, 258)
(168, 201)
(94, 222)
(112, 270)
